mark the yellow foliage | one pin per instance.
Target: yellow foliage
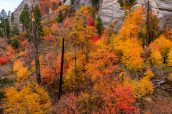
(156, 57)
(128, 43)
(149, 74)
(141, 87)
(32, 99)
(21, 71)
(22, 74)
(17, 65)
(131, 50)
(169, 61)
(85, 11)
(132, 55)
(159, 49)
(132, 24)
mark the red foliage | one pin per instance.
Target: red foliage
(47, 75)
(120, 100)
(95, 38)
(90, 21)
(3, 59)
(67, 104)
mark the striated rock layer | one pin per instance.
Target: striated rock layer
(111, 12)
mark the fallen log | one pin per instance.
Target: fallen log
(158, 83)
(166, 89)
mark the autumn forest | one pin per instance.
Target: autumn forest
(68, 62)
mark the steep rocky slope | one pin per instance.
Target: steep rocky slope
(111, 11)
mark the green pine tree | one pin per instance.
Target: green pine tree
(25, 19)
(99, 25)
(37, 16)
(60, 17)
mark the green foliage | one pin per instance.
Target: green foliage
(1, 33)
(5, 27)
(5, 82)
(154, 31)
(126, 3)
(99, 26)
(54, 6)
(25, 18)
(14, 30)
(60, 17)
(95, 3)
(37, 15)
(72, 2)
(15, 43)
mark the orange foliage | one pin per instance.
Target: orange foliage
(24, 43)
(120, 100)
(47, 74)
(68, 22)
(132, 24)
(32, 98)
(103, 63)
(127, 43)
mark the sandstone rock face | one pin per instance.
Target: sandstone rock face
(111, 12)
(19, 9)
(78, 3)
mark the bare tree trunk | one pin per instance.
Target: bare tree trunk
(75, 59)
(61, 71)
(36, 53)
(148, 16)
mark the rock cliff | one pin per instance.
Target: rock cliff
(111, 11)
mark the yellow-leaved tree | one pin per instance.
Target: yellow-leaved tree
(32, 99)
(169, 60)
(22, 72)
(143, 86)
(127, 42)
(159, 50)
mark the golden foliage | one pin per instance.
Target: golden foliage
(141, 87)
(132, 55)
(32, 99)
(159, 49)
(169, 60)
(132, 24)
(127, 43)
(21, 71)
(85, 11)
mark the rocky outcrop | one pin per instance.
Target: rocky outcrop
(19, 9)
(78, 3)
(111, 12)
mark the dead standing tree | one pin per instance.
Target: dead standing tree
(61, 69)
(35, 37)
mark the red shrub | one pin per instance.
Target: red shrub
(90, 21)
(3, 59)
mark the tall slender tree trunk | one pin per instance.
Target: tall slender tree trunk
(75, 59)
(148, 26)
(36, 53)
(61, 71)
